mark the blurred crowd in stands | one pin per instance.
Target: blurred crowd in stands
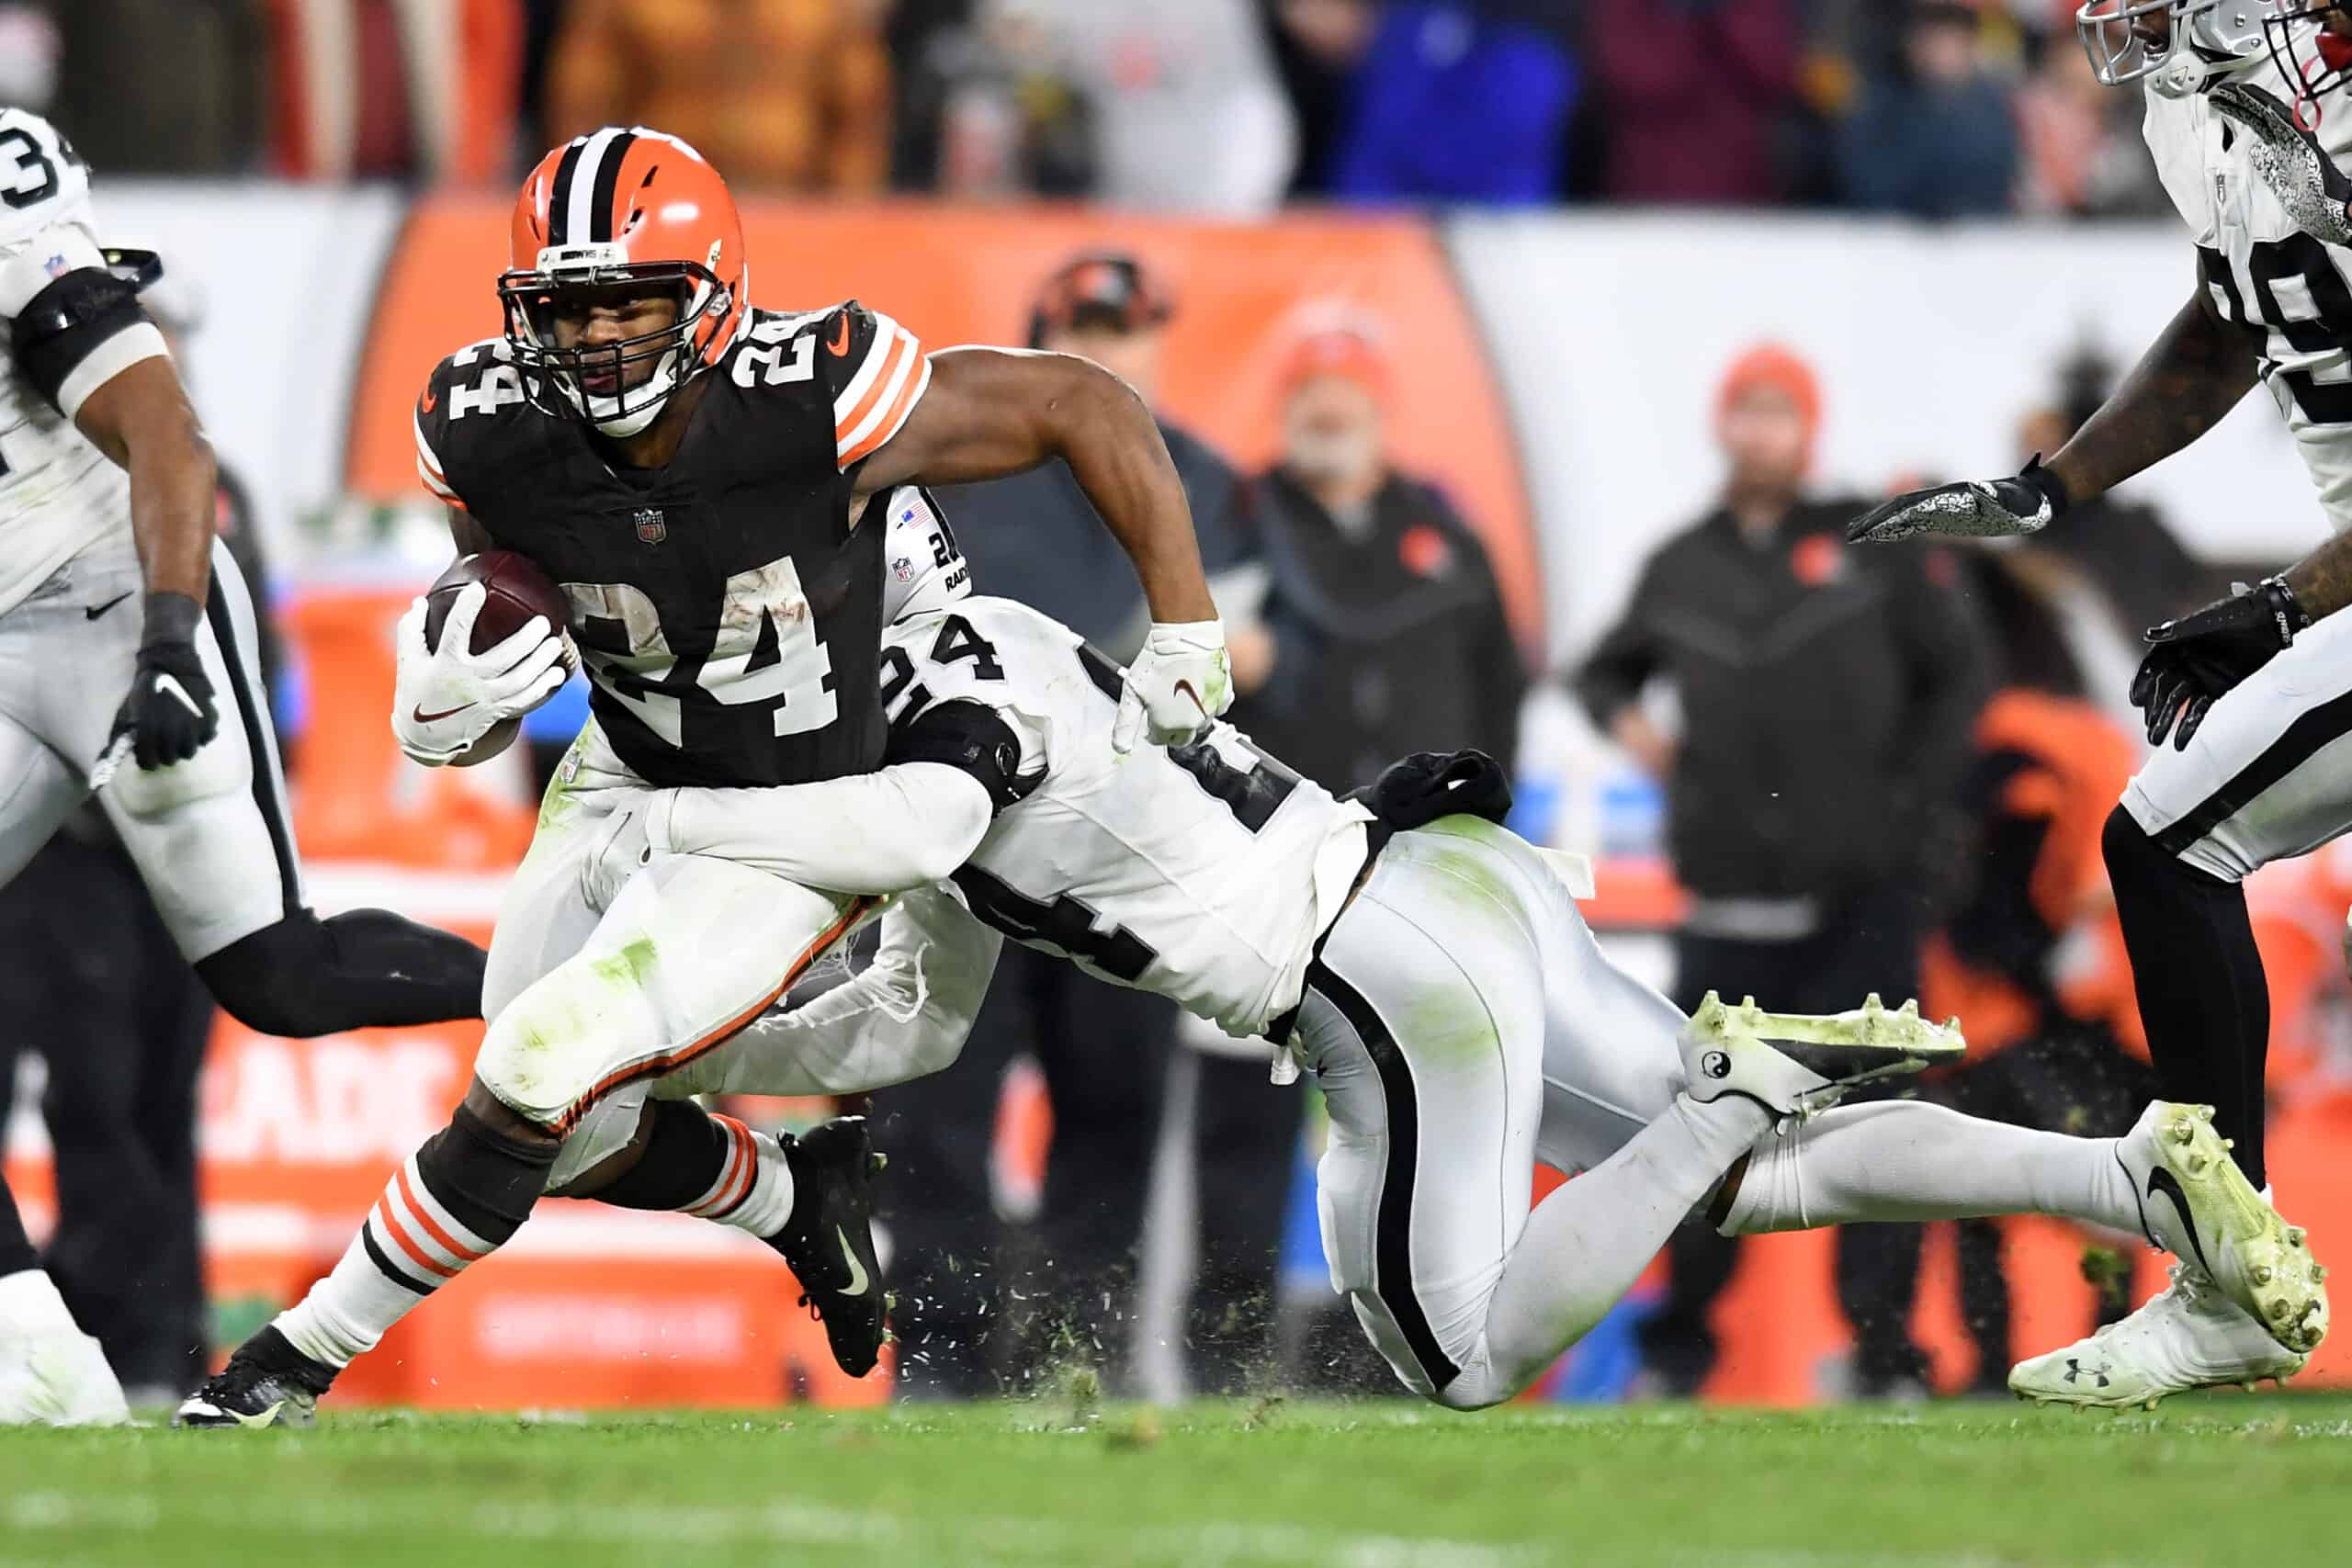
(1935, 109)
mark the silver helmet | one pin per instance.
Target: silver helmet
(2182, 45)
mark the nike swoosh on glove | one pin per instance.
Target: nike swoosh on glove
(170, 713)
(1178, 683)
(445, 699)
(2198, 659)
(2290, 161)
(1981, 509)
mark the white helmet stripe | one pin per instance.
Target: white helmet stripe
(580, 217)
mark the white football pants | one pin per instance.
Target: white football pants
(609, 969)
(210, 835)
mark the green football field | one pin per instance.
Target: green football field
(2217, 1480)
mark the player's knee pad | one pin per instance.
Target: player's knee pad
(549, 1059)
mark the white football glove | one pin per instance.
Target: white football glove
(1178, 683)
(444, 701)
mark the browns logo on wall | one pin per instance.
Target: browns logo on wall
(968, 274)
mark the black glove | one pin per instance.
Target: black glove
(2196, 660)
(170, 712)
(1431, 784)
(2291, 161)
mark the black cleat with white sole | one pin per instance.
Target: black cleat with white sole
(829, 1241)
(267, 1384)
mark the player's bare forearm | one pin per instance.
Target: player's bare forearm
(2322, 580)
(990, 412)
(2195, 373)
(471, 538)
(140, 418)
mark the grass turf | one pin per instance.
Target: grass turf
(2211, 1481)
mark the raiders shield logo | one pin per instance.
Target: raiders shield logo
(650, 526)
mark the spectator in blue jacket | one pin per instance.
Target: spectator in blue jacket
(1446, 100)
(1941, 142)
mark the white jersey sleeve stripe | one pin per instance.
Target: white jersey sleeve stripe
(869, 370)
(109, 360)
(910, 375)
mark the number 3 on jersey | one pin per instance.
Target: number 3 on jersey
(763, 605)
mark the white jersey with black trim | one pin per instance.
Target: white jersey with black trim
(59, 495)
(1204, 874)
(2262, 272)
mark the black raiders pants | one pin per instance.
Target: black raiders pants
(1869, 944)
(96, 985)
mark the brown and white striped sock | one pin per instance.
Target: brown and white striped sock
(711, 1167)
(455, 1200)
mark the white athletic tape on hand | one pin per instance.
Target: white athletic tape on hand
(110, 761)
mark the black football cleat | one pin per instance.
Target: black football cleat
(267, 1384)
(829, 1241)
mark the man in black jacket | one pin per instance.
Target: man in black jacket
(1383, 630)
(1826, 697)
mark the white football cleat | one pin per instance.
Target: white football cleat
(1797, 1063)
(2189, 1335)
(50, 1372)
(2197, 1205)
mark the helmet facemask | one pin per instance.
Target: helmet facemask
(2310, 53)
(2199, 42)
(593, 381)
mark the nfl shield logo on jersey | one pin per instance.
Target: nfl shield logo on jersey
(650, 526)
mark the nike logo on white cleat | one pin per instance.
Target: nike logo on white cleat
(857, 1280)
(2161, 1180)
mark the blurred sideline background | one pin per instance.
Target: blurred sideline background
(1557, 224)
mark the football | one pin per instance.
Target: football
(517, 590)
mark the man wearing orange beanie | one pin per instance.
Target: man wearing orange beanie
(1825, 695)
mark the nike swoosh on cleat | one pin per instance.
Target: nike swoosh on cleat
(858, 1282)
(94, 615)
(260, 1418)
(418, 713)
(2161, 1180)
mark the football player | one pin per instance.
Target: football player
(696, 474)
(1430, 969)
(2248, 701)
(113, 582)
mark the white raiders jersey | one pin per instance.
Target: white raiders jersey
(59, 495)
(1204, 874)
(2261, 271)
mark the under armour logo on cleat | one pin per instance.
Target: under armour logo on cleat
(2075, 1372)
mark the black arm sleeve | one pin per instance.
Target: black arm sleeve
(63, 324)
(970, 735)
(1624, 658)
